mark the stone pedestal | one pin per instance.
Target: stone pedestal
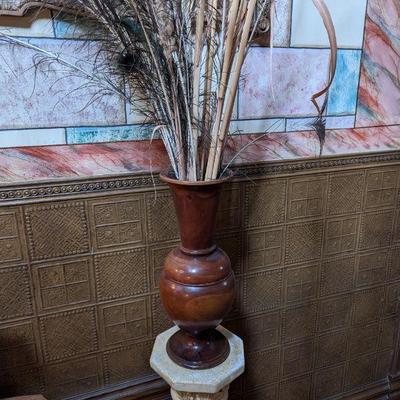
(221, 395)
(208, 384)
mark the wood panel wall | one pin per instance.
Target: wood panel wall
(315, 246)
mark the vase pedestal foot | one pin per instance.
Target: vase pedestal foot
(221, 395)
(206, 350)
(198, 384)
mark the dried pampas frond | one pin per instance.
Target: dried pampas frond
(183, 58)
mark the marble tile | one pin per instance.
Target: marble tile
(84, 161)
(287, 87)
(304, 124)
(257, 126)
(282, 22)
(345, 141)
(299, 145)
(52, 97)
(379, 96)
(133, 116)
(108, 134)
(89, 160)
(308, 29)
(340, 122)
(344, 90)
(32, 137)
(35, 24)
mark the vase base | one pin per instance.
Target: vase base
(207, 350)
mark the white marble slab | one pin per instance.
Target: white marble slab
(308, 29)
(32, 137)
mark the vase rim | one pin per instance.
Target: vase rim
(167, 179)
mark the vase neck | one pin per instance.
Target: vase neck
(196, 209)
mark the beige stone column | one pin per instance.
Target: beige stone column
(221, 395)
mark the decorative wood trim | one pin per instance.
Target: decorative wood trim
(154, 388)
(18, 8)
(395, 369)
(150, 388)
(395, 387)
(55, 188)
(325, 163)
(378, 391)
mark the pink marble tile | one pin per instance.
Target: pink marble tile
(286, 89)
(96, 160)
(81, 161)
(54, 96)
(379, 95)
(300, 145)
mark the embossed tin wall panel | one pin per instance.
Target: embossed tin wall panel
(316, 252)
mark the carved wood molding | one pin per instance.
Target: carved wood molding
(21, 7)
(13, 193)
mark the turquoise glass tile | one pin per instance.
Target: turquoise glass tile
(108, 134)
(344, 91)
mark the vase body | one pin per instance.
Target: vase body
(197, 285)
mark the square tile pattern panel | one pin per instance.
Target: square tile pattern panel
(121, 274)
(15, 293)
(12, 238)
(119, 224)
(64, 284)
(316, 255)
(57, 230)
(73, 376)
(126, 321)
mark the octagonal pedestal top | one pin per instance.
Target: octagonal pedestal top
(198, 381)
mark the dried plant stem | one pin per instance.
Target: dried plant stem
(226, 67)
(211, 52)
(327, 19)
(231, 92)
(196, 79)
(170, 115)
(208, 82)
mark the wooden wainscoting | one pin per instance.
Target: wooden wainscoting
(315, 246)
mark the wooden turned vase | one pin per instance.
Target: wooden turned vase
(197, 284)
